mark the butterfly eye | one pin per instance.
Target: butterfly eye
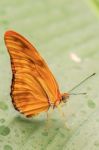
(64, 100)
(65, 96)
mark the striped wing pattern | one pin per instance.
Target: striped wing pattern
(33, 87)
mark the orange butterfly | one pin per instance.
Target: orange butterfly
(34, 88)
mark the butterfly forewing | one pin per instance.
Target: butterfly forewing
(33, 87)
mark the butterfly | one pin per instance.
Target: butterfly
(34, 89)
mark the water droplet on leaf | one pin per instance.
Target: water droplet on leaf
(91, 104)
(4, 130)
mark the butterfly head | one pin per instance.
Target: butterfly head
(65, 97)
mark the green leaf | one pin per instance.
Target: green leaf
(3, 106)
(66, 33)
(96, 3)
(91, 104)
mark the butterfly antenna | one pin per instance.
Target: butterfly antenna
(79, 85)
(77, 93)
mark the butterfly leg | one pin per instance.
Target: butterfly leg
(63, 116)
(48, 121)
(50, 110)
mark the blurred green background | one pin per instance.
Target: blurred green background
(66, 33)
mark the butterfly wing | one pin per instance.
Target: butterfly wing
(34, 87)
